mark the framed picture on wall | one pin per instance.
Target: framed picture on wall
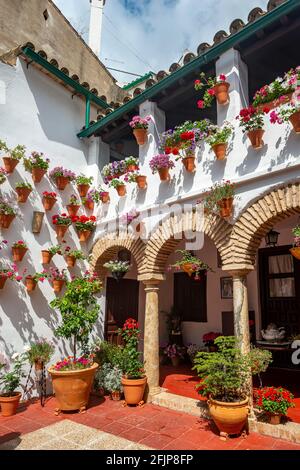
(226, 288)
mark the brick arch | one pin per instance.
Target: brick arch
(107, 248)
(163, 241)
(257, 220)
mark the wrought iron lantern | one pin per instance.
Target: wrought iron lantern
(271, 238)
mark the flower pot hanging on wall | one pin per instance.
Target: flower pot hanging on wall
(89, 205)
(48, 203)
(220, 151)
(61, 182)
(104, 197)
(6, 220)
(141, 136)
(73, 209)
(189, 163)
(83, 189)
(121, 189)
(256, 138)
(37, 174)
(10, 164)
(222, 93)
(18, 253)
(141, 181)
(84, 235)
(46, 257)
(61, 230)
(23, 194)
(164, 174)
(295, 120)
(30, 284)
(3, 279)
(225, 207)
(58, 285)
(71, 261)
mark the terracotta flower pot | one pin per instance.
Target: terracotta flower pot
(121, 190)
(84, 235)
(89, 205)
(164, 174)
(9, 404)
(295, 252)
(83, 189)
(6, 220)
(131, 168)
(141, 181)
(48, 203)
(222, 93)
(61, 230)
(220, 151)
(134, 390)
(58, 285)
(105, 197)
(295, 120)
(72, 387)
(189, 164)
(225, 207)
(30, 284)
(188, 268)
(275, 419)
(18, 253)
(275, 103)
(37, 174)
(23, 194)
(116, 396)
(141, 136)
(10, 164)
(61, 182)
(175, 361)
(73, 209)
(3, 279)
(71, 261)
(230, 418)
(256, 138)
(46, 257)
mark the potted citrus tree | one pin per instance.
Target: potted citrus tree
(83, 184)
(140, 128)
(117, 268)
(252, 122)
(39, 353)
(161, 164)
(295, 251)
(72, 378)
(61, 177)
(37, 165)
(218, 139)
(134, 379)
(10, 381)
(13, 156)
(23, 190)
(49, 199)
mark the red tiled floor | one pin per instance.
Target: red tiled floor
(135, 434)
(157, 441)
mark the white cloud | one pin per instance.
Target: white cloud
(151, 34)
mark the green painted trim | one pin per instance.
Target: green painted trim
(65, 78)
(87, 112)
(203, 59)
(137, 81)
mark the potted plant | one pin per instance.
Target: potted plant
(277, 92)
(216, 87)
(37, 165)
(161, 164)
(23, 190)
(132, 164)
(113, 170)
(61, 223)
(39, 353)
(94, 196)
(119, 185)
(140, 128)
(10, 381)
(187, 150)
(49, 199)
(72, 378)
(19, 250)
(252, 122)
(48, 254)
(8, 272)
(140, 180)
(83, 184)
(13, 156)
(58, 279)
(3, 175)
(134, 379)
(295, 251)
(192, 350)
(226, 380)
(218, 139)
(220, 198)
(190, 264)
(7, 214)
(113, 381)
(117, 268)
(275, 401)
(175, 353)
(84, 226)
(32, 280)
(104, 196)
(73, 206)
(61, 177)
(209, 340)
(288, 113)
(72, 256)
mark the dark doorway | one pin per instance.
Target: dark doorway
(190, 297)
(279, 274)
(122, 302)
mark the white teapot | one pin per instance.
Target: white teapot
(272, 333)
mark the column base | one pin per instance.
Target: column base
(151, 393)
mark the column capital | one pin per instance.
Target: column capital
(151, 279)
(236, 270)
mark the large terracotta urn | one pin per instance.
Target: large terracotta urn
(230, 418)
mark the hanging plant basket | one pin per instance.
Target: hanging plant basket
(117, 275)
(18, 253)
(84, 235)
(61, 230)
(6, 220)
(189, 164)
(46, 257)
(141, 136)
(73, 209)
(220, 151)
(256, 138)
(71, 261)
(30, 284)
(141, 181)
(222, 93)
(58, 285)
(105, 197)
(295, 252)
(188, 268)
(295, 121)
(225, 207)
(37, 174)
(164, 174)
(121, 190)
(89, 205)
(83, 189)
(3, 279)
(48, 203)
(61, 182)
(23, 194)
(10, 164)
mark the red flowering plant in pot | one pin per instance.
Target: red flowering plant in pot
(19, 249)
(288, 113)
(57, 278)
(8, 271)
(140, 128)
(215, 87)
(85, 226)
(61, 223)
(252, 123)
(37, 165)
(209, 340)
(132, 164)
(74, 205)
(274, 401)
(12, 157)
(31, 280)
(161, 164)
(62, 177)
(49, 199)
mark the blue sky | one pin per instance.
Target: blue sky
(139, 35)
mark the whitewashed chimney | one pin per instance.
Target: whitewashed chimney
(96, 19)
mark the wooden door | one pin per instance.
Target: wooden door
(190, 297)
(279, 274)
(122, 302)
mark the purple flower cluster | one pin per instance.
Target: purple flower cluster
(140, 123)
(160, 161)
(113, 170)
(60, 171)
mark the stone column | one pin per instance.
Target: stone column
(156, 127)
(236, 71)
(241, 309)
(151, 337)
